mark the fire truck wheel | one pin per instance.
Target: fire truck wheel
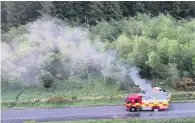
(156, 109)
(132, 109)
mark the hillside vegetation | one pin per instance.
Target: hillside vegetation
(161, 47)
(49, 59)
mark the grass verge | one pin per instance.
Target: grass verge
(172, 120)
(75, 94)
(61, 103)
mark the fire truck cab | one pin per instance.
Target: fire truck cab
(133, 102)
(138, 102)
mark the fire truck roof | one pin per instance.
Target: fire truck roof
(154, 95)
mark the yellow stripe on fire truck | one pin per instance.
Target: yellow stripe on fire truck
(154, 103)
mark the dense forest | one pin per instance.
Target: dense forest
(156, 37)
(89, 13)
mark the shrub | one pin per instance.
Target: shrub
(51, 63)
(173, 73)
(4, 81)
(74, 97)
(123, 85)
(187, 84)
(57, 99)
(46, 78)
(8, 104)
(110, 80)
(83, 75)
(11, 80)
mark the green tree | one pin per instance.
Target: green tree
(21, 12)
(3, 16)
(47, 8)
(173, 72)
(87, 12)
(157, 68)
(193, 66)
(124, 46)
(140, 51)
(112, 10)
(105, 31)
(131, 8)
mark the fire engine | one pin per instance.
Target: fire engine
(155, 99)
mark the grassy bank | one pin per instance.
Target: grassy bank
(174, 120)
(75, 94)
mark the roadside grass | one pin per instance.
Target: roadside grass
(172, 120)
(66, 94)
(78, 93)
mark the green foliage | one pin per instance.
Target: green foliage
(124, 46)
(110, 81)
(18, 13)
(123, 86)
(11, 80)
(160, 46)
(4, 79)
(193, 66)
(87, 12)
(51, 62)
(141, 48)
(32, 121)
(90, 12)
(47, 8)
(46, 78)
(57, 99)
(106, 31)
(174, 77)
(134, 120)
(131, 8)
(74, 97)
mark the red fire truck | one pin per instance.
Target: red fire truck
(151, 100)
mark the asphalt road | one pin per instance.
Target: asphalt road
(93, 112)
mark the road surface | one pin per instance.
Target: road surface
(93, 112)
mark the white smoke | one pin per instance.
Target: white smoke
(48, 34)
(143, 84)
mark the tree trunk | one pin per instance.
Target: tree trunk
(87, 72)
(104, 75)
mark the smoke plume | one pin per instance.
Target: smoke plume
(23, 52)
(143, 84)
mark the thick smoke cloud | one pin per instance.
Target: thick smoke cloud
(48, 35)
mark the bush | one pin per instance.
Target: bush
(57, 99)
(8, 104)
(74, 97)
(83, 75)
(51, 63)
(123, 85)
(187, 84)
(11, 80)
(110, 80)
(46, 78)
(4, 81)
